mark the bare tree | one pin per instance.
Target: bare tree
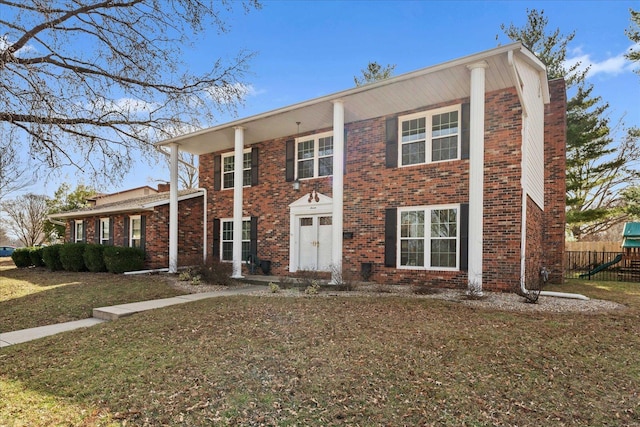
(26, 216)
(187, 171)
(14, 175)
(89, 83)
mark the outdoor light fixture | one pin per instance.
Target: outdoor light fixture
(296, 184)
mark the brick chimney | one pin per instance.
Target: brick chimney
(164, 187)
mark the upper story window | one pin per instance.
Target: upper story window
(429, 237)
(314, 156)
(105, 231)
(228, 173)
(135, 231)
(79, 231)
(430, 136)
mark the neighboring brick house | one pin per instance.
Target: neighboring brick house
(453, 175)
(140, 221)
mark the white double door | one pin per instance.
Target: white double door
(314, 242)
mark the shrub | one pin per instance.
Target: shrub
(71, 256)
(21, 257)
(36, 256)
(94, 258)
(119, 259)
(215, 272)
(51, 257)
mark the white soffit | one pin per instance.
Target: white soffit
(429, 86)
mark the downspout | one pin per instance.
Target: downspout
(204, 191)
(523, 183)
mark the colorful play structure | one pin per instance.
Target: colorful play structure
(628, 262)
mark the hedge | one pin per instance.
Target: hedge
(94, 258)
(119, 259)
(36, 256)
(21, 257)
(71, 256)
(51, 257)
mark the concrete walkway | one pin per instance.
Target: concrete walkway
(103, 314)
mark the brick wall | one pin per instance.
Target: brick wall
(371, 187)
(555, 142)
(190, 237)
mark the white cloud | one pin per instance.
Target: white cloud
(612, 66)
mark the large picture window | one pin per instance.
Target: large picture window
(314, 156)
(429, 237)
(430, 136)
(226, 239)
(228, 165)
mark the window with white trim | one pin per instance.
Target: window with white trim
(226, 239)
(430, 136)
(228, 172)
(314, 156)
(79, 231)
(135, 231)
(105, 231)
(429, 237)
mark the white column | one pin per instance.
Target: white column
(237, 202)
(173, 209)
(338, 191)
(476, 176)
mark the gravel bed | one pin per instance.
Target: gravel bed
(490, 300)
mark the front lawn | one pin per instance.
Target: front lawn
(323, 361)
(33, 297)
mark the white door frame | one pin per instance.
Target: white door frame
(310, 204)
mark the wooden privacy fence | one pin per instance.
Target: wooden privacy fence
(593, 246)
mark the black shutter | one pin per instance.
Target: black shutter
(125, 237)
(98, 231)
(464, 236)
(253, 246)
(464, 129)
(217, 172)
(216, 239)
(254, 166)
(345, 152)
(84, 231)
(290, 160)
(111, 219)
(390, 236)
(143, 226)
(72, 235)
(392, 142)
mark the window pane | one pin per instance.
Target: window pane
(443, 253)
(444, 148)
(246, 177)
(227, 251)
(444, 223)
(413, 153)
(444, 124)
(305, 150)
(325, 166)
(413, 130)
(325, 146)
(246, 230)
(227, 230)
(228, 163)
(135, 228)
(412, 224)
(412, 252)
(228, 180)
(246, 250)
(305, 169)
(246, 161)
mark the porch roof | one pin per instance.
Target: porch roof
(428, 86)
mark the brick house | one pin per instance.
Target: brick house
(450, 175)
(140, 217)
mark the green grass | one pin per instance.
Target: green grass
(38, 297)
(357, 361)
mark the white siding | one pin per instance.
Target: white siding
(533, 132)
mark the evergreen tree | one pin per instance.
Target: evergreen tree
(374, 73)
(633, 32)
(597, 167)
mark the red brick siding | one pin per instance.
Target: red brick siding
(156, 248)
(371, 187)
(555, 142)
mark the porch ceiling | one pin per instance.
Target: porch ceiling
(428, 86)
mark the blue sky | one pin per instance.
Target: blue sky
(307, 49)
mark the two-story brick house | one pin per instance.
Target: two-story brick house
(452, 174)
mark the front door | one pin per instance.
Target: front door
(314, 251)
